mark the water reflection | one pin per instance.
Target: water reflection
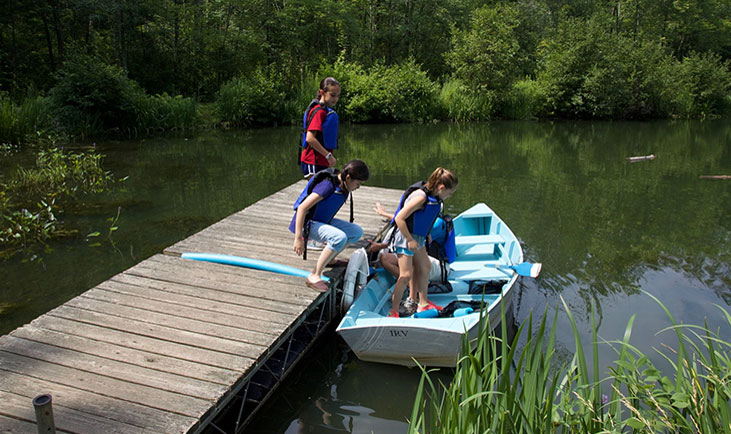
(332, 416)
(333, 391)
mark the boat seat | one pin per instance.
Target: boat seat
(477, 245)
(476, 270)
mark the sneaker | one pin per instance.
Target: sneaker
(428, 306)
(393, 314)
(315, 245)
(408, 307)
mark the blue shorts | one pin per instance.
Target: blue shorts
(400, 245)
(310, 169)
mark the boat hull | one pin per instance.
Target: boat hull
(412, 341)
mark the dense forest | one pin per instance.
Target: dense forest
(106, 66)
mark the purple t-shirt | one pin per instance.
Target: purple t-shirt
(325, 188)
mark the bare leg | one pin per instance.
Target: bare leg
(405, 268)
(389, 261)
(326, 256)
(422, 267)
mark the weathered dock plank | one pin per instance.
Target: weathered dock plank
(205, 298)
(100, 405)
(213, 364)
(76, 421)
(142, 394)
(163, 346)
(118, 353)
(83, 362)
(14, 425)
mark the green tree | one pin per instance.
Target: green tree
(92, 97)
(486, 55)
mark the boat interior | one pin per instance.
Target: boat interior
(483, 243)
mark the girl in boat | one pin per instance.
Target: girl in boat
(315, 209)
(420, 206)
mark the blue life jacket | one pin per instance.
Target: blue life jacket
(324, 210)
(328, 137)
(443, 243)
(420, 222)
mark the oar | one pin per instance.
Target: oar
(257, 264)
(526, 269)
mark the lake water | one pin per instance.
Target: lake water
(607, 231)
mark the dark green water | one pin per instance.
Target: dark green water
(606, 230)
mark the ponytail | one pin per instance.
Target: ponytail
(443, 177)
(326, 84)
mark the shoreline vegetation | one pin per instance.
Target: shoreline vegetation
(93, 100)
(83, 70)
(500, 388)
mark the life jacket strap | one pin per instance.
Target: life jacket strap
(310, 117)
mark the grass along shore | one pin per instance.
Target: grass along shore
(497, 389)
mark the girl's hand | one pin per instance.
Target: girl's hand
(299, 246)
(413, 245)
(379, 209)
(332, 161)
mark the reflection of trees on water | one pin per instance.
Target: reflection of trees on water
(566, 189)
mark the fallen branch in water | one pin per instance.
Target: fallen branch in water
(715, 177)
(641, 158)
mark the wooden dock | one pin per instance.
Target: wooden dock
(172, 345)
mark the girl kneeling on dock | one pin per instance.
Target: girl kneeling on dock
(325, 194)
(420, 206)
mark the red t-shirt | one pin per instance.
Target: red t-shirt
(309, 155)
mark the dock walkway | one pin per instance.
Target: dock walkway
(170, 345)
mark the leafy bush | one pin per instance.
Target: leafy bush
(398, 93)
(525, 100)
(486, 55)
(701, 86)
(257, 99)
(92, 97)
(464, 103)
(566, 60)
(589, 72)
(294, 106)
(627, 80)
(165, 112)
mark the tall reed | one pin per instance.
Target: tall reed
(20, 121)
(497, 389)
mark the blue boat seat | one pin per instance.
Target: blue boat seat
(477, 245)
(476, 270)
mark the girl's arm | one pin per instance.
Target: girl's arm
(381, 211)
(299, 221)
(409, 207)
(317, 146)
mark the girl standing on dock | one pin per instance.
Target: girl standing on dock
(420, 206)
(315, 208)
(320, 129)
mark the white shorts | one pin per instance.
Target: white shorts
(435, 273)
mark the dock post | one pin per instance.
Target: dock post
(44, 414)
